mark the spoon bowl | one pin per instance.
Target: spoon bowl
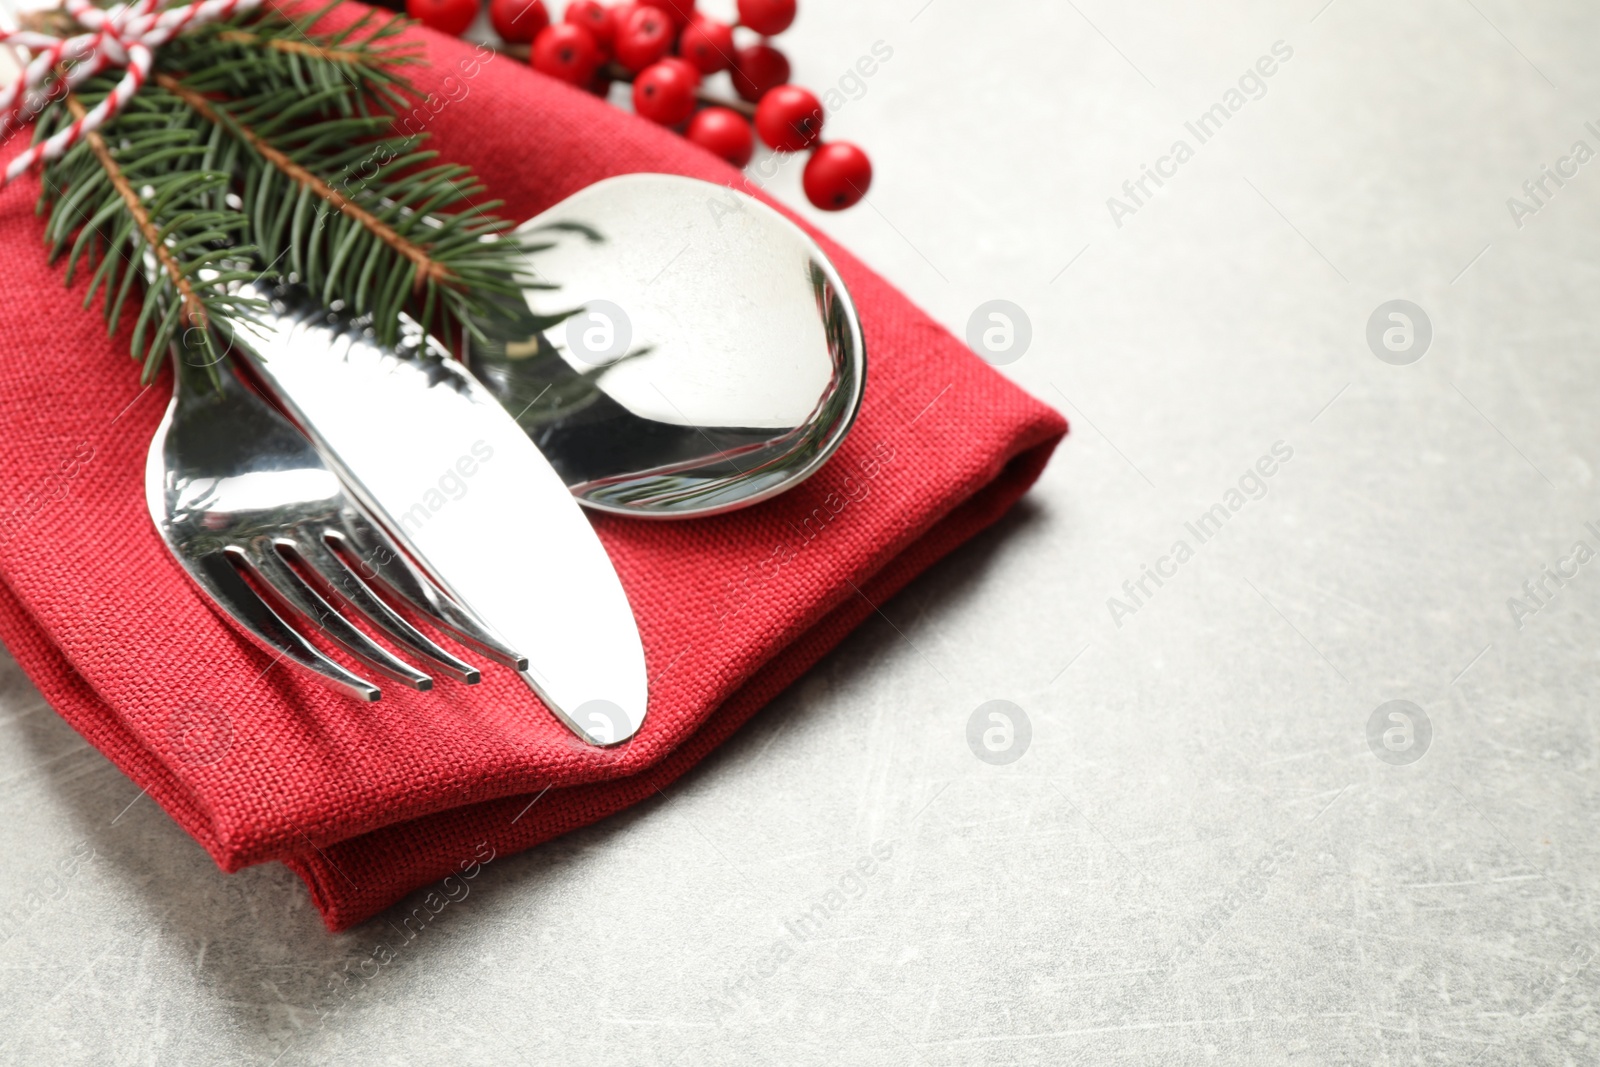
(694, 352)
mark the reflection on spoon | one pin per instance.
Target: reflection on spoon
(698, 355)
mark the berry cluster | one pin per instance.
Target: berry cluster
(666, 49)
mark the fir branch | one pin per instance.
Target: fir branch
(427, 269)
(175, 248)
(237, 57)
(261, 151)
(194, 313)
(381, 226)
(354, 211)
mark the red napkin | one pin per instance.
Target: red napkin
(369, 801)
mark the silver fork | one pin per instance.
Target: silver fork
(260, 523)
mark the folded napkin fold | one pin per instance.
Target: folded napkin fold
(368, 801)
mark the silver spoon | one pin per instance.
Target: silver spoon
(695, 353)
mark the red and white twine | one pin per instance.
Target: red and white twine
(125, 35)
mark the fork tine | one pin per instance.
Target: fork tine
(330, 568)
(216, 574)
(302, 600)
(380, 561)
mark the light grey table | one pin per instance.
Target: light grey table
(1199, 856)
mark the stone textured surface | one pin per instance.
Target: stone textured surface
(1199, 857)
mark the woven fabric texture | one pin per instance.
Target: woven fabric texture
(259, 762)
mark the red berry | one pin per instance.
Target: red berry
(643, 37)
(766, 17)
(567, 52)
(789, 118)
(758, 68)
(680, 11)
(663, 93)
(690, 71)
(594, 17)
(446, 16)
(724, 132)
(837, 176)
(518, 21)
(708, 44)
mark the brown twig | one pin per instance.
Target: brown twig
(617, 72)
(299, 48)
(55, 22)
(194, 312)
(427, 268)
